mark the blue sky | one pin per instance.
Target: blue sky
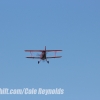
(70, 25)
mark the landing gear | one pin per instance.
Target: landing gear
(48, 62)
(40, 60)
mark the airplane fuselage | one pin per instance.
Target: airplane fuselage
(43, 55)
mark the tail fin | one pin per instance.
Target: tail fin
(45, 48)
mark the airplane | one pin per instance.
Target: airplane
(43, 54)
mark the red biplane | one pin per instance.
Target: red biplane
(43, 54)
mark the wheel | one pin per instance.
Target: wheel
(38, 62)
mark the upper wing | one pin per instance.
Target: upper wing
(52, 50)
(42, 50)
(34, 57)
(54, 57)
(34, 50)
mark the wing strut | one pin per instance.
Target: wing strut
(31, 53)
(55, 53)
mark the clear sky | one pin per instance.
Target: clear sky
(70, 25)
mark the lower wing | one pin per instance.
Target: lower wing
(33, 57)
(54, 57)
